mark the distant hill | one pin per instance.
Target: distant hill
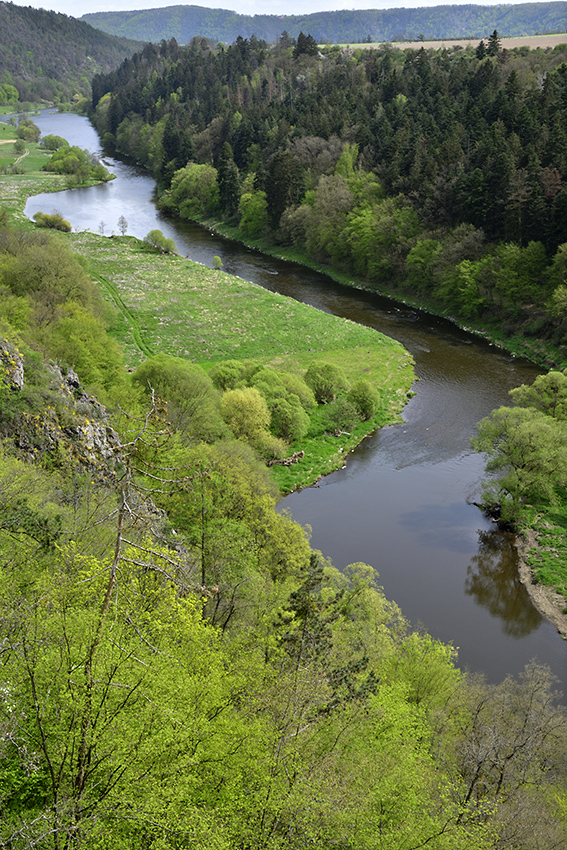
(185, 22)
(50, 56)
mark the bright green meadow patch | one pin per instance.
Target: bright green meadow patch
(27, 179)
(168, 304)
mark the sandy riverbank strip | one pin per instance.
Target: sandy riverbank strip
(548, 602)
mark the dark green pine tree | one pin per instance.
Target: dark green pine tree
(493, 46)
(282, 185)
(305, 44)
(227, 179)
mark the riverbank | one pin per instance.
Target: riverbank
(536, 350)
(414, 471)
(170, 304)
(549, 603)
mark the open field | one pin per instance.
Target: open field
(171, 305)
(531, 41)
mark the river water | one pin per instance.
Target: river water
(404, 501)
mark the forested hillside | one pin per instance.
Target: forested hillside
(179, 670)
(435, 175)
(347, 26)
(49, 56)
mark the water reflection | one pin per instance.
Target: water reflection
(403, 501)
(440, 526)
(492, 580)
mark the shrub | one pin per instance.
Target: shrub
(156, 240)
(365, 398)
(193, 404)
(28, 131)
(326, 380)
(289, 419)
(269, 383)
(295, 384)
(53, 143)
(228, 374)
(54, 221)
(342, 415)
(246, 413)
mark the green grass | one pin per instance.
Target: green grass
(15, 189)
(548, 560)
(169, 304)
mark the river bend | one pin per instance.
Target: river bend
(404, 501)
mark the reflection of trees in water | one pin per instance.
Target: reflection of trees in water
(492, 579)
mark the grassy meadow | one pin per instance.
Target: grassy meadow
(27, 179)
(169, 304)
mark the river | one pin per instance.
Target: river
(404, 501)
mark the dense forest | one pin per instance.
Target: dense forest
(346, 26)
(437, 175)
(53, 57)
(178, 668)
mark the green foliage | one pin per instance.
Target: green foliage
(227, 179)
(246, 413)
(526, 446)
(51, 57)
(79, 165)
(232, 687)
(230, 373)
(365, 398)
(193, 404)
(8, 94)
(325, 380)
(28, 131)
(55, 221)
(467, 220)
(493, 44)
(288, 419)
(341, 415)
(548, 394)
(345, 27)
(296, 385)
(253, 208)
(194, 191)
(51, 301)
(43, 268)
(80, 339)
(269, 382)
(53, 143)
(156, 240)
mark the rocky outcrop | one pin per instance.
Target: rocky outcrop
(11, 365)
(94, 441)
(55, 417)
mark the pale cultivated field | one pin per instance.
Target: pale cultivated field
(531, 41)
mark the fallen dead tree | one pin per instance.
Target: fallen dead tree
(287, 461)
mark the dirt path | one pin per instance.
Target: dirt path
(19, 159)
